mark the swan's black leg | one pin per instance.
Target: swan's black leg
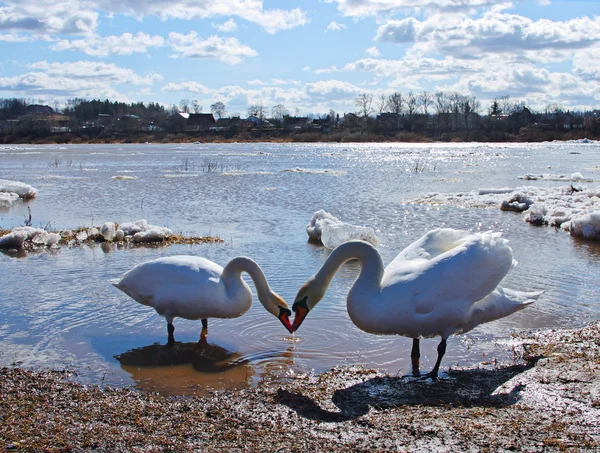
(170, 330)
(204, 332)
(415, 356)
(205, 323)
(433, 374)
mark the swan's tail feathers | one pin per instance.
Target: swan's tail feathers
(501, 303)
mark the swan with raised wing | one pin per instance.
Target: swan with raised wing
(193, 287)
(444, 283)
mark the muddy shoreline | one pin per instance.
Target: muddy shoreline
(547, 400)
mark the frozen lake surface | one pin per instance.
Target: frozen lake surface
(59, 310)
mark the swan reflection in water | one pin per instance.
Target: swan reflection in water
(193, 368)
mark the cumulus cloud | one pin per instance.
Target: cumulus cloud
(373, 52)
(191, 87)
(226, 27)
(80, 17)
(28, 16)
(364, 8)
(334, 26)
(83, 79)
(494, 32)
(95, 71)
(126, 44)
(228, 50)
(271, 20)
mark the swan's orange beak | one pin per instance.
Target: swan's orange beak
(301, 309)
(284, 317)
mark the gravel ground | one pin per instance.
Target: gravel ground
(549, 400)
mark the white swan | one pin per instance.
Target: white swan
(444, 283)
(192, 287)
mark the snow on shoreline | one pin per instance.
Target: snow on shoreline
(138, 231)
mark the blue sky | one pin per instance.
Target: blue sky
(310, 56)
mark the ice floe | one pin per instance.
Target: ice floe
(574, 208)
(315, 172)
(575, 177)
(21, 189)
(331, 231)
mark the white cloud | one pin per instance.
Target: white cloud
(586, 64)
(91, 70)
(82, 79)
(328, 70)
(14, 37)
(271, 20)
(365, 8)
(494, 33)
(39, 20)
(334, 26)
(126, 44)
(80, 17)
(256, 82)
(191, 87)
(373, 52)
(226, 27)
(228, 50)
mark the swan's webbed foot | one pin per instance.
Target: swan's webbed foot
(433, 375)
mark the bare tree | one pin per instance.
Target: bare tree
(382, 102)
(278, 112)
(218, 108)
(425, 100)
(332, 120)
(184, 105)
(257, 110)
(412, 103)
(395, 103)
(196, 106)
(364, 102)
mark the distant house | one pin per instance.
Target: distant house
(389, 121)
(227, 123)
(252, 122)
(196, 122)
(351, 120)
(295, 123)
(130, 123)
(522, 118)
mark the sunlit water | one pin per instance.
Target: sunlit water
(57, 309)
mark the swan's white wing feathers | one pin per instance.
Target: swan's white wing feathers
(464, 274)
(432, 244)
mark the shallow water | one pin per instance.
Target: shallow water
(59, 310)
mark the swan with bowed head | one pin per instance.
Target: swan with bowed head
(192, 287)
(445, 283)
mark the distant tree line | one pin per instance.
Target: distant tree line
(432, 114)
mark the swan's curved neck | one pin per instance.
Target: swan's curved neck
(371, 271)
(233, 273)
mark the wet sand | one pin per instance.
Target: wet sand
(547, 400)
